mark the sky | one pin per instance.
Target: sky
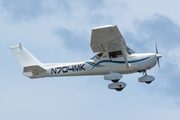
(59, 31)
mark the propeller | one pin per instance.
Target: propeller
(158, 56)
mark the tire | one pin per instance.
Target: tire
(148, 82)
(114, 81)
(119, 89)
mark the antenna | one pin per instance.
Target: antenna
(20, 46)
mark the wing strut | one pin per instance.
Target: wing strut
(124, 55)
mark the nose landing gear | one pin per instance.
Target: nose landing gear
(146, 78)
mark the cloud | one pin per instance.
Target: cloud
(60, 32)
(27, 10)
(22, 9)
(72, 40)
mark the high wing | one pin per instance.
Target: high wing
(108, 38)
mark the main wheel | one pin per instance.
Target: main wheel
(148, 82)
(119, 89)
(114, 81)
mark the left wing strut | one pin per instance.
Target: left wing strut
(125, 56)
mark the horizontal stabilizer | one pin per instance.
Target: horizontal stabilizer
(33, 70)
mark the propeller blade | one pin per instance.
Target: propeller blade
(156, 49)
(157, 55)
(158, 62)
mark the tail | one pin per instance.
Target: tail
(24, 57)
(29, 64)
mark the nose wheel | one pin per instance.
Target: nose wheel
(146, 78)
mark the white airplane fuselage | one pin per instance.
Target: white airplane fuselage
(114, 59)
(102, 66)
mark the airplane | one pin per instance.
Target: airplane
(113, 59)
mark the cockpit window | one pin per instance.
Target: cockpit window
(97, 57)
(115, 54)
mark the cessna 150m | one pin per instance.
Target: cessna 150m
(114, 59)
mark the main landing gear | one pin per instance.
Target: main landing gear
(119, 86)
(116, 85)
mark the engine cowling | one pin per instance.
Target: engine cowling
(117, 86)
(147, 79)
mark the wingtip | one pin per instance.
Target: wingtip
(106, 26)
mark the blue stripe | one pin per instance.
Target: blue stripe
(120, 62)
(91, 64)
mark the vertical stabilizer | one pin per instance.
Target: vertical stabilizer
(24, 57)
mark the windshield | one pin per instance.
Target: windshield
(130, 51)
(97, 57)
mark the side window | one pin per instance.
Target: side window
(115, 54)
(98, 56)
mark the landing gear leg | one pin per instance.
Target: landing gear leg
(144, 73)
